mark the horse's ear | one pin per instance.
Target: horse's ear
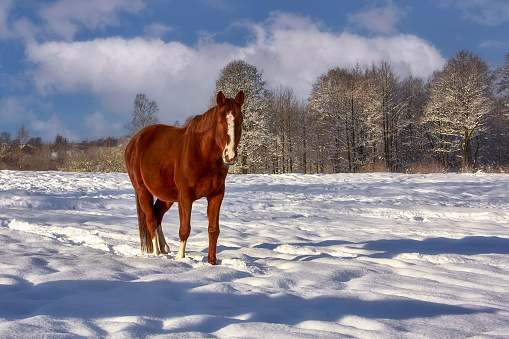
(240, 98)
(221, 99)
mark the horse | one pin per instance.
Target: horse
(183, 165)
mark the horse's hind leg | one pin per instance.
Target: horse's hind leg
(146, 204)
(160, 208)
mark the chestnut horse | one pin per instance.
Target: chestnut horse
(183, 165)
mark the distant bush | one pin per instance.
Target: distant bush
(495, 169)
(376, 166)
(79, 163)
(426, 166)
(103, 155)
(96, 159)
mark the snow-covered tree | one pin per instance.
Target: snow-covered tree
(461, 96)
(256, 145)
(386, 112)
(5, 146)
(329, 107)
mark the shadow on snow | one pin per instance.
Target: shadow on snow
(390, 248)
(162, 299)
(434, 246)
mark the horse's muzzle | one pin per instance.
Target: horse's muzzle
(229, 157)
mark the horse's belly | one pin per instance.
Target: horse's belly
(167, 195)
(162, 187)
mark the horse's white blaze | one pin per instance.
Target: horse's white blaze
(229, 151)
(182, 250)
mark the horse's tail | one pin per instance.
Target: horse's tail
(145, 237)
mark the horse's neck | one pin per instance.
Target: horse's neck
(201, 136)
(202, 144)
(208, 143)
(204, 122)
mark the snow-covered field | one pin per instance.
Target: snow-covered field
(348, 255)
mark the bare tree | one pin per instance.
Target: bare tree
(144, 114)
(414, 146)
(387, 107)
(503, 83)
(287, 122)
(60, 150)
(22, 136)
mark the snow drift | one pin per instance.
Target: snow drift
(362, 255)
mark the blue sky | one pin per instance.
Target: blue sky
(74, 67)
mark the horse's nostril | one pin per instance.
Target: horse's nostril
(229, 158)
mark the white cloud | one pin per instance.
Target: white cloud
(5, 6)
(65, 17)
(178, 77)
(47, 130)
(378, 19)
(156, 30)
(15, 111)
(13, 27)
(12, 109)
(218, 4)
(97, 127)
(297, 53)
(495, 44)
(289, 49)
(485, 12)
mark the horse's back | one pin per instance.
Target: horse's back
(143, 139)
(151, 149)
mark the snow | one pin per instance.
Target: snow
(348, 255)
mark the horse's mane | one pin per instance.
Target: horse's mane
(203, 123)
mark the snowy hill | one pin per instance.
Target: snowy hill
(348, 255)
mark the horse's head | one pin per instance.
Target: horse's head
(229, 127)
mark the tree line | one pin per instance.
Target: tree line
(367, 118)
(356, 119)
(23, 152)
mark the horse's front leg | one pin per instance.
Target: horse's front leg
(185, 205)
(214, 205)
